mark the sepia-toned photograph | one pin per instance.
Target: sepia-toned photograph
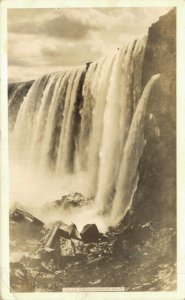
(92, 149)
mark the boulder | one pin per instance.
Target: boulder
(67, 202)
(60, 229)
(52, 237)
(59, 242)
(22, 216)
(23, 223)
(67, 247)
(69, 231)
(79, 247)
(90, 233)
(73, 200)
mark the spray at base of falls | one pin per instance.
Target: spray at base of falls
(88, 120)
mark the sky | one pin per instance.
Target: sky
(41, 41)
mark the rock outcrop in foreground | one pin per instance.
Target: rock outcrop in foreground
(64, 258)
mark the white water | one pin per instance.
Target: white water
(82, 130)
(128, 173)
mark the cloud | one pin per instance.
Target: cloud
(67, 24)
(69, 54)
(24, 50)
(44, 40)
(62, 27)
(33, 51)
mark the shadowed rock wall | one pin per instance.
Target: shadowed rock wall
(155, 198)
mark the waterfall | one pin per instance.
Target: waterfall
(128, 173)
(88, 119)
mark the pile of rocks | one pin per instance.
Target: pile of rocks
(60, 242)
(67, 202)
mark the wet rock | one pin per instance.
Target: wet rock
(46, 253)
(75, 200)
(71, 250)
(25, 259)
(22, 224)
(31, 260)
(90, 233)
(45, 267)
(59, 229)
(22, 216)
(133, 235)
(121, 248)
(79, 247)
(69, 201)
(62, 243)
(51, 239)
(67, 247)
(35, 261)
(69, 231)
(19, 279)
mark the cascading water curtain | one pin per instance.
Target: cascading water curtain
(89, 119)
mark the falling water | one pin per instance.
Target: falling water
(88, 120)
(128, 174)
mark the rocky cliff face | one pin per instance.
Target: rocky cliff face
(155, 198)
(154, 203)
